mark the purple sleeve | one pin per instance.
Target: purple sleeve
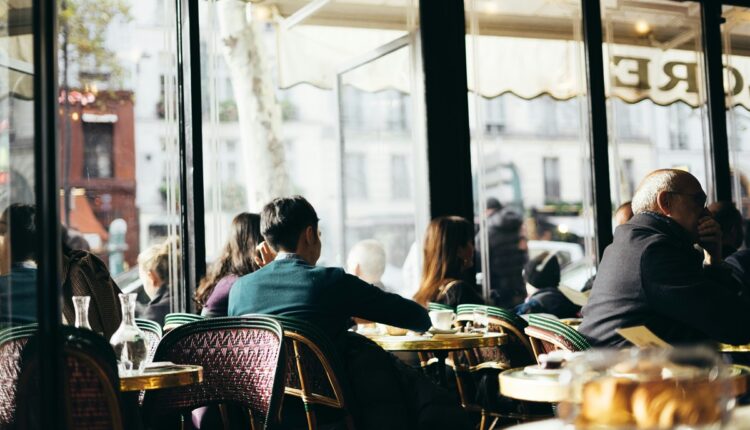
(218, 301)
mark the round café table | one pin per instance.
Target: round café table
(177, 375)
(518, 384)
(439, 345)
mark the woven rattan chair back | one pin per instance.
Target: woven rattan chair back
(243, 364)
(314, 374)
(91, 385)
(12, 342)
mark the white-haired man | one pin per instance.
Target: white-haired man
(366, 261)
(652, 274)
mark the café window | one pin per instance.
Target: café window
(118, 143)
(97, 150)
(529, 143)
(326, 110)
(654, 72)
(735, 32)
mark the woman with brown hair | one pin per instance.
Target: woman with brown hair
(237, 259)
(448, 254)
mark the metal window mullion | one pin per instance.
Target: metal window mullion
(597, 115)
(48, 216)
(717, 111)
(190, 148)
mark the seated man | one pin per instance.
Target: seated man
(652, 275)
(366, 261)
(386, 393)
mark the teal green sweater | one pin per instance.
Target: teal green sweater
(325, 296)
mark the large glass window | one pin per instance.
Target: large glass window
(655, 92)
(118, 140)
(529, 143)
(736, 33)
(319, 101)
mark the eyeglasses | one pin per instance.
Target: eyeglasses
(698, 198)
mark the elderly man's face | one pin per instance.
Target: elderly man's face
(688, 205)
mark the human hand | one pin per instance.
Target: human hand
(709, 238)
(264, 254)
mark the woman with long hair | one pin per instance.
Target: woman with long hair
(237, 259)
(448, 254)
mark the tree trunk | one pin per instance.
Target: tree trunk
(258, 111)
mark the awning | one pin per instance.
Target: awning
(525, 67)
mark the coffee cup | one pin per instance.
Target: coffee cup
(442, 319)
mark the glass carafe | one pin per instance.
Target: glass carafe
(129, 342)
(81, 306)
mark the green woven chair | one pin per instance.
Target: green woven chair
(432, 306)
(547, 334)
(177, 319)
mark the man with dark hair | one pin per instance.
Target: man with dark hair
(18, 264)
(386, 393)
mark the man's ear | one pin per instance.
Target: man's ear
(662, 200)
(310, 235)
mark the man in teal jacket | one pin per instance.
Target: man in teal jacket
(387, 394)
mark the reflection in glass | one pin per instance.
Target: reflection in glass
(274, 118)
(530, 156)
(656, 98)
(736, 33)
(118, 134)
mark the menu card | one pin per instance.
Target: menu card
(642, 337)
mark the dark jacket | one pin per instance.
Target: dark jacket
(506, 259)
(740, 264)
(325, 296)
(549, 301)
(459, 293)
(85, 274)
(159, 306)
(652, 275)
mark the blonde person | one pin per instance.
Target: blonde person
(153, 269)
(366, 261)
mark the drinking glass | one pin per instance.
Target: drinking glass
(81, 306)
(480, 320)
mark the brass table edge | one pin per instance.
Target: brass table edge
(187, 375)
(391, 343)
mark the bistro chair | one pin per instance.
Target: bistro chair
(480, 367)
(177, 319)
(243, 361)
(12, 342)
(314, 371)
(432, 306)
(547, 334)
(153, 333)
(91, 385)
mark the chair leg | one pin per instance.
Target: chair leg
(312, 423)
(349, 421)
(483, 422)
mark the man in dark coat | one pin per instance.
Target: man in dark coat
(506, 257)
(652, 274)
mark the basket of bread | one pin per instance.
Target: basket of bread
(676, 388)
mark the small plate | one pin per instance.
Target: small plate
(536, 370)
(434, 330)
